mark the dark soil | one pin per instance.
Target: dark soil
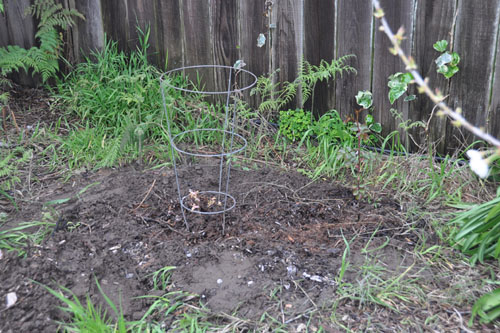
(283, 228)
(280, 253)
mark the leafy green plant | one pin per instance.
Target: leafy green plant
(398, 85)
(45, 58)
(447, 63)
(117, 97)
(479, 230)
(294, 123)
(309, 75)
(330, 128)
(366, 130)
(274, 95)
(487, 307)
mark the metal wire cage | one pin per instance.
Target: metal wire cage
(214, 82)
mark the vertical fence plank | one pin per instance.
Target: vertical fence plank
(142, 15)
(4, 33)
(475, 40)
(354, 26)
(116, 21)
(225, 38)
(170, 32)
(319, 43)
(198, 48)
(398, 13)
(494, 107)
(256, 58)
(21, 31)
(253, 21)
(287, 40)
(89, 34)
(20, 28)
(433, 22)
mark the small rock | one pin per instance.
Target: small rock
(316, 278)
(11, 299)
(301, 328)
(291, 270)
(219, 281)
(1, 255)
(250, 283)
(129, 275)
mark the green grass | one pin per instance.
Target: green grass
(88, 317)
(27, 234)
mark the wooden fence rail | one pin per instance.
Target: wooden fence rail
(191, 32)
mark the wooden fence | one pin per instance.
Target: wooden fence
(193, 32)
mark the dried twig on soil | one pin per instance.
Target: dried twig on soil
(146, 196)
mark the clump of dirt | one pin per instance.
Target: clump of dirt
(286, 233)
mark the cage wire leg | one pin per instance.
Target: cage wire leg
(228, 173)
(225, 127)
(172, 154)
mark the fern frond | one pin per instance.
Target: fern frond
(43, 59)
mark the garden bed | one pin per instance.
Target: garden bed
(296, 254)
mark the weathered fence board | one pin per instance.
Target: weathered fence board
(193, 32)
(319, 43)
(475, 40)
(399, 14)
(356, 40)
(256, 58)
(198, 45)
(433, 22)
(225, 38)
(88, 34)
(142, 15)
(494, 107)
(116, 21)
(169, 21)
(286, 40)
(21, 28)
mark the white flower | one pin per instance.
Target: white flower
(477, 163)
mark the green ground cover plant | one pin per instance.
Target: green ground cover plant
(115, 101)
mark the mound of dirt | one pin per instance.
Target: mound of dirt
(127, 223)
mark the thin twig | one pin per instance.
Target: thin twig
(146, 196)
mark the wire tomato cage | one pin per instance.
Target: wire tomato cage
(213, 83)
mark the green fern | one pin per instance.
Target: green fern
(45, 58)
(9, 168)
(309, 75)
(274, 95)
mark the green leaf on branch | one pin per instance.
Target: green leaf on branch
(455, 60)
(364, 99)
(443, 59)
(398, 84)
(441, 45)
(375, 127)
(410, 98)
(447, 64)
